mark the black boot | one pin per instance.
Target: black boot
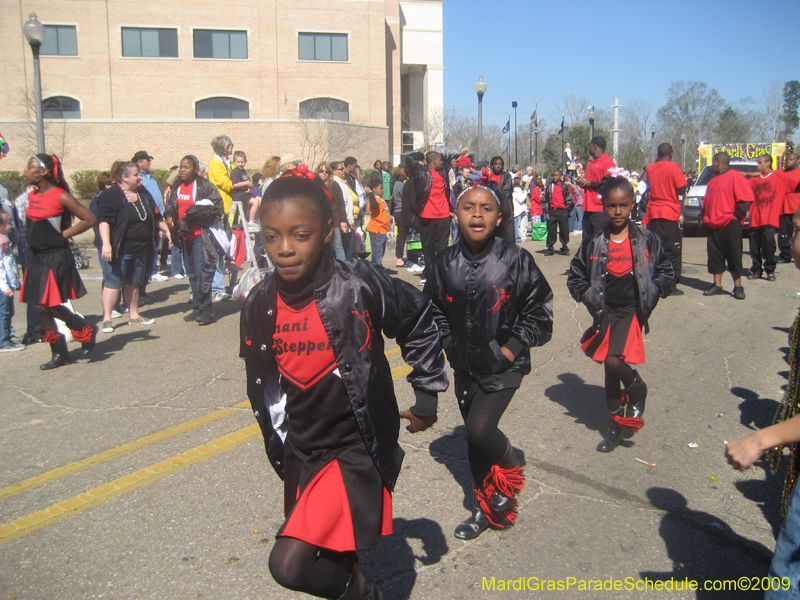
(58, 346)
(637, 394)
(84, 333)
(499, 501)
(614, 436)
(359, 587)
(476, 524)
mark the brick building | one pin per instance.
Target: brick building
(318, 79)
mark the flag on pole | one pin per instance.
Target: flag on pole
(561, 129)
(533, 118)
(507, 128)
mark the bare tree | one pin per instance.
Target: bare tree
(771, 126)
(575, 109)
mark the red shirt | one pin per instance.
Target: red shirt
(185, 202)
(596, 169)
(302, 348)
(769, 192)
(536, 201)
(44, 206)
(791, 200)
(663, 178)
(620, 257)
(437, 206)
(722, 194)
(557, 197)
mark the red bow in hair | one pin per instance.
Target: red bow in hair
(55, 167)
(474, 181)
(302, 171)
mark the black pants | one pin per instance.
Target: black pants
(402, 233)
(785, 238)
(558, 219)
(593, 222)
(434, 235)
(669, 232)
(762, 247)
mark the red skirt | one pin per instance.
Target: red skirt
(335, 499)
(51, 278)
(619, 335)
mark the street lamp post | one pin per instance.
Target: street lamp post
(652, 138)
(591, 123)
(34, 33)
(514, 106)
(683, 151)
(480, 89)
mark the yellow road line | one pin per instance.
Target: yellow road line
(32, 482)
(392, 352)
(72, 506)
(401, 371)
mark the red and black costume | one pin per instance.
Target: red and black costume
(482, 302)
(620, 284)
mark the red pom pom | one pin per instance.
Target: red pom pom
(302, 169)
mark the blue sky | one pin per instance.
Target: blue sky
(529, 51)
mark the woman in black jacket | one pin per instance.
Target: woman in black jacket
(128, 223)
(492, 304)
(193, 206)
(619, 274)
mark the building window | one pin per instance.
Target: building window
(325, 108)
(323, 46)
(408, 142)
(61, 107)
(60, 40)
(220, 44)
(149, 42)
(221, 108)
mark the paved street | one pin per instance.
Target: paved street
(139, 473)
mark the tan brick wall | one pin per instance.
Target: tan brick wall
(89, 144)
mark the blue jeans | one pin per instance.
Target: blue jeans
(338, 248)
(786, 560)
(177, 262)
(6, 312)
(378, 243)
(131, 269)
(517, 222)
(576, 219)
(218, 284)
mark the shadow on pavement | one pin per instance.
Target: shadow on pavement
(697, 284)
(703, 547)
(756, 412)
(451, 451)
(110, 344)
(584, 402)
(392, 563)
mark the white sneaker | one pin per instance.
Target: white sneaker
(115, 314)
(422, 282)
(159, 277)
(415, 268)
(12, 347)
(220, 296)
(179, 276)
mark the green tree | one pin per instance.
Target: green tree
(551, 155)
(731, 127)
(632, 158)
(791, 101)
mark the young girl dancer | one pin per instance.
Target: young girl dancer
(321, 389)
(51, 277)
(619, 274)
(492, 304)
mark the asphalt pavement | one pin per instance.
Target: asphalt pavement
(137, 473)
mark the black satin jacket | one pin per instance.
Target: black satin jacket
(586, 280)
(482, 302)
(358, 305)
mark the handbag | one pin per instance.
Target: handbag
(538, 232)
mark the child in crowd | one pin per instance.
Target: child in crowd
(492, 304)
(379, 221)
(312, 337)
(769, 192)
(536, 199)
(557, 206)
(254, 203)
(241, 193)
(619, 273)
(9, 281)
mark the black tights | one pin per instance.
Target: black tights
(486, 444)
(618, 372)
(48, 314)
(302, 567)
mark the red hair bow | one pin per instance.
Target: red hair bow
(302, 171)
(484, 178)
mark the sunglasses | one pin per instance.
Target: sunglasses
(323, 171)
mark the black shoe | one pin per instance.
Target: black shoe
(475, 525)
(88, 346)
(770, 277)
(738, 292)
(34, 336)
(58, 346)
(192, 316)
(359, 587)
(145, 299)
(565, 251)
(782, 260)
(498, 501)
(614, 436)
(637, 394)
(754, 276)
(676, 292)
(549, 252)
(714, 290)
(204, 318)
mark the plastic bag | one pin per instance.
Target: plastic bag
(391, 241)
(539, 232)
(247, 282)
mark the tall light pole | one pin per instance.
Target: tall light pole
(514, 106)
(34, 33)
(683, 151)
(536, 135)
(652, 140)
(480, 89)
(591, 123)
